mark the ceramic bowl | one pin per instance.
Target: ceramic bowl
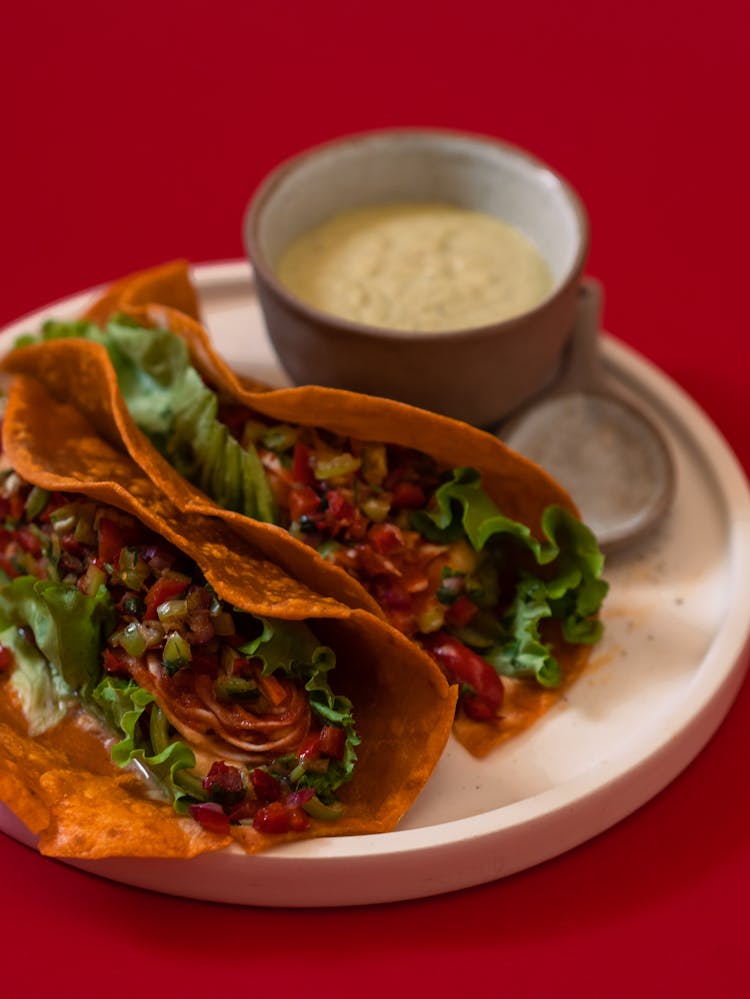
(477, 374)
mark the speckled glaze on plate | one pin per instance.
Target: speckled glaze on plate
(672, 660)
(601, 447)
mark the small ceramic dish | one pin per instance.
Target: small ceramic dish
(479, 373)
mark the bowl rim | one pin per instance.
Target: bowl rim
(349, 327)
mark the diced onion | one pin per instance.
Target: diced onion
(171, 611)
(36, 501)
(374, 464)
(176, 652)
(132, 640)
(431, 618)
(337, 466)
(280, 438)
(377, 507)
(326, 813)
(91, 580)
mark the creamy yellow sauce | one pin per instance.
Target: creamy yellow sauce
(416, 267)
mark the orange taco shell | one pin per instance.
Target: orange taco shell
(521, 489)
(62, 784)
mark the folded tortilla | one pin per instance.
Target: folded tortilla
(62, 783)
(80, 371)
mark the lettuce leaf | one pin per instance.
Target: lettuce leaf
(524, 653)
(177, 411)
(64, 659)
(45, 697)
(570, 591)
(290, 647)
(123, 702)
(57, 635)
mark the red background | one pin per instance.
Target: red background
(136, 133)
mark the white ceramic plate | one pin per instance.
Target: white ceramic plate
(661, 681)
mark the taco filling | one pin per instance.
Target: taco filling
(437, 555)
(230, 714)
(491, 601)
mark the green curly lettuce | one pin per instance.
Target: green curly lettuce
(123, 703)
(570, 590)
(291, 648)
(44, 696)
(57, 635)
(63, 660)
(176, 410)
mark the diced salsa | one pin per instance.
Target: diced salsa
(370, 509)
(264, 754)
(353, 502)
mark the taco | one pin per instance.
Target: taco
(470, 550)
(164, 689)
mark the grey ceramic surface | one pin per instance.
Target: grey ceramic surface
(608, 455)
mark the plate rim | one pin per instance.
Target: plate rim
(716, 683)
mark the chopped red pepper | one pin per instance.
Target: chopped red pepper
(224, 783)
(278, 818)
(266, 786)
(408, 496)
(69, 544)
(298, 819)
(212, 817)
(115, 663)
(385, 538)
(303, 501)
(460, 612)
(111, 540)
(343, 518)
(358, 527)
(465, 666)
(165, 588)
(302, 472)
(29, 540)
(329, 741)
(114, 536)
(245, 810)
(6, 659)
(339, 506)
(477, 707)
(8, 568)
(309, 747)
(271, 818)
(332, 741)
